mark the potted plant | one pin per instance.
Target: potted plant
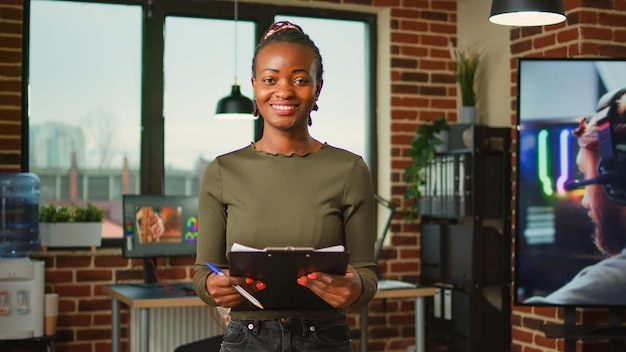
(467, 60)
(70, 225)
(424, 146)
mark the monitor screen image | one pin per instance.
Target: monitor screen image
(563, 256)
(159, 226)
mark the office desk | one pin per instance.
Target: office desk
(418, 293)
(144, 297)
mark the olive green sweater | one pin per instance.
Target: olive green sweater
(263, 200)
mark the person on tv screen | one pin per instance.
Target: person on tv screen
(603, 283)
(287, 189)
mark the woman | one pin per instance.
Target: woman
(287, 189)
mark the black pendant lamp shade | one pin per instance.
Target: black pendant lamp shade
(235, 106)
(525, 13)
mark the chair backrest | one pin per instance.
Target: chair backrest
(211, 344)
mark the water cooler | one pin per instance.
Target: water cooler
(21, 278)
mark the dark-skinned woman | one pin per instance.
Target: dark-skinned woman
(287, 189)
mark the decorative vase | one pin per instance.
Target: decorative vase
(70, 234)
(467, 114)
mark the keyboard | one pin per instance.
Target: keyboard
(384, 284)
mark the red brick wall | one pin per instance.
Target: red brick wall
(593, 29)
(10, 84)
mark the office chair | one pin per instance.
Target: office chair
(211, 344)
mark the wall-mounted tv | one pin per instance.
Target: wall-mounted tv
(562, 255)
(159, 226)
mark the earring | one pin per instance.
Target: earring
(256, 110)
(315, 108)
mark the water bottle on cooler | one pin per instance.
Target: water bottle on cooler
(19, 214)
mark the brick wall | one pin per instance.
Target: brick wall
(10, 84)
(593, 29)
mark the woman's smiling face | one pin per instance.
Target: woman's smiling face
(285, 85)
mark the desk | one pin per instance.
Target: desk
(144, 297)
(414, 292)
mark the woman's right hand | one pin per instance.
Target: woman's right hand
(224, 294)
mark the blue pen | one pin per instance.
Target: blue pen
(244, 293)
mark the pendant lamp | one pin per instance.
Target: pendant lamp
(526, 13)
(235, 106)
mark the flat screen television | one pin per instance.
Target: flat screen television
(554, 234)
(159, 226)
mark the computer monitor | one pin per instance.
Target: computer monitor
(159, 226)
(554, 233)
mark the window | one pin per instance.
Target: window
(84, 102)
(199, 69)
(127, 100)
(342, 116)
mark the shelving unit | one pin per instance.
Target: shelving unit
(466, 240)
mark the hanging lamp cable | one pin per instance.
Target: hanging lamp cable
(235, 105)
(236, 19)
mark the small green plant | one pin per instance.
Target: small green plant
(466, 60)
(70, 213)
(422, 152)
(89, 214)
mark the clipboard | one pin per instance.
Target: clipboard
(279, 269)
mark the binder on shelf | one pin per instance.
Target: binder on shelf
(442, 323)
(424, 201)
(460, 184)
(279, 269)
(465, 201)
(448, 194)
(432, 194)
(447, 304)
(437, 303)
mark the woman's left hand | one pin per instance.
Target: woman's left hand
(339, 291)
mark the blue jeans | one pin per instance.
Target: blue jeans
(287, 335)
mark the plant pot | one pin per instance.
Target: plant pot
(71, 234)
(467, 114)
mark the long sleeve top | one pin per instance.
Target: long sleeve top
(263, 200)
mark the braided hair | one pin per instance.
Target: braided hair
(287, 32)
